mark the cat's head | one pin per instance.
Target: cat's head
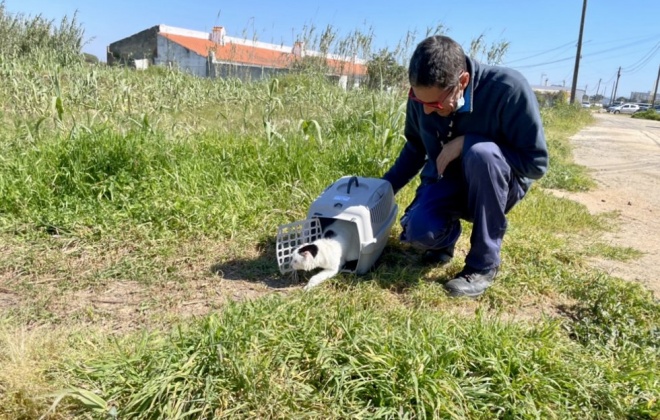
(303, 258)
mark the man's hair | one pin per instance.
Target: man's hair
(437, 62)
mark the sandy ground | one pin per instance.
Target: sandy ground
(623, 154)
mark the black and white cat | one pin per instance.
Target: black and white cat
(338, 244)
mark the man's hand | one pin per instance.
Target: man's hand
(450, 151)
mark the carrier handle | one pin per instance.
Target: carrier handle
(350, 182)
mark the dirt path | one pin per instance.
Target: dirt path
(624, 156)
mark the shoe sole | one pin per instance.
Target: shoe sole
(460, 293)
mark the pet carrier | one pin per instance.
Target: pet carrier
(367, 202)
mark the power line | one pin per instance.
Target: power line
(639, 39)
(611, 78)
(614, 49)
(543, 64)
(563, 46)
(585, 56)
(635, 41)
(644, 60)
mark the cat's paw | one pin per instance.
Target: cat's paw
(309, 286)
(319, 278)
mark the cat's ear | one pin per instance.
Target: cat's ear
(310, 249)
(329, 234)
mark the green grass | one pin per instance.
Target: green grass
(355, 354)
(157, 192)
(563, 173)
(649, 114)
(616, 253)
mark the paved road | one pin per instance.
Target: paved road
(624, 156)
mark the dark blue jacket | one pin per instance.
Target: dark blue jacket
(500, 106)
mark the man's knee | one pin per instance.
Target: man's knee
(482, 153)
(423, 233)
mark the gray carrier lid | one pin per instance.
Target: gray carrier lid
(353, 198)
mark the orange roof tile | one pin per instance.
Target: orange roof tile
(244, 54)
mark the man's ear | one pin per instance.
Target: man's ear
(464, 79)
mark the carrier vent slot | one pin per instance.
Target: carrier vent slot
(381, 210)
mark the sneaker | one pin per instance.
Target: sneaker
(470, 282)
(438, 256)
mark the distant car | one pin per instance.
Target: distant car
(586, 104)
(624, 109)
(611, 106)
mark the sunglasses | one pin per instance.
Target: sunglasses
(435, 105)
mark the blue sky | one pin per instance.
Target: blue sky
(543, 34)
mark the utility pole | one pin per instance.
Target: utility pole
(579, 52)
(616, 85)
(598, 87)
(655, 91)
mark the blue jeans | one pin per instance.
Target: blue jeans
(479, 187)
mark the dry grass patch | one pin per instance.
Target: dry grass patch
(27, 378)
